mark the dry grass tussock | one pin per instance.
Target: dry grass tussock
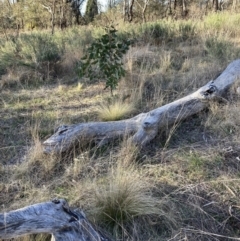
(115, 111)
(123, 196)
(183, 186)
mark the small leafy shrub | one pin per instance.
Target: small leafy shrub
(218, 48)
(39, 48)
(158, 32)
(75, 38)
(196, 161)
(223, 21)
(186, 30)
(106, 52)
(215, 21)
(29, 50)
(8, 55)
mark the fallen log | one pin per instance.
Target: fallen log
(55, 217)
(145, 126)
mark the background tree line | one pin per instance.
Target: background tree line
(149, 10)
(30, 14)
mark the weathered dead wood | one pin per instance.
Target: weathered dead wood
(55, 217)
(145, 126)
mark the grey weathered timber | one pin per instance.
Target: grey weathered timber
(145, 126)
(55, 217)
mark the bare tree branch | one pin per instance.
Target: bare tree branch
(145, 126)
(56, 218)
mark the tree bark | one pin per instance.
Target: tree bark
(53, 16)
(51, 10)
(184, 8)
(215, 5)
(55, 217)
(234, 4)
(178, 9)
(145, 126)
(124, 10)
(170, 7)
(143, 8)
(130, 13)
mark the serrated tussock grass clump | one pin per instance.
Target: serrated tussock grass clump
(115, 111)
(124, 196)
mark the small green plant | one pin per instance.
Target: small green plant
(218, 48)
(39, 48)
(105, 52)
(158, 32)
(186, 30)
(8, 55)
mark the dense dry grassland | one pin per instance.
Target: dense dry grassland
(185, 185)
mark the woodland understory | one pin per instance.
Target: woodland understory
(182, 185)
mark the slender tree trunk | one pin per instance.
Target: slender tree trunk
(51, 10)
(53, 16)
(221, 5)
(144, 8)
(170, 7)
(206, 8)
(215, 5)
(168, 10)
(124, 10)
(130, 15)
(184, 8)
(178, 8)
(62, 15)
(234, 3)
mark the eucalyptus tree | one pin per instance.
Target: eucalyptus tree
(180, 8)
(76, 6)
(91, 10)
(112, 3)
(143, 8)
(128, 10)
(63, 13)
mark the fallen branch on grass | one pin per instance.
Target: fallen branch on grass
(56, 218)
(145, 126)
